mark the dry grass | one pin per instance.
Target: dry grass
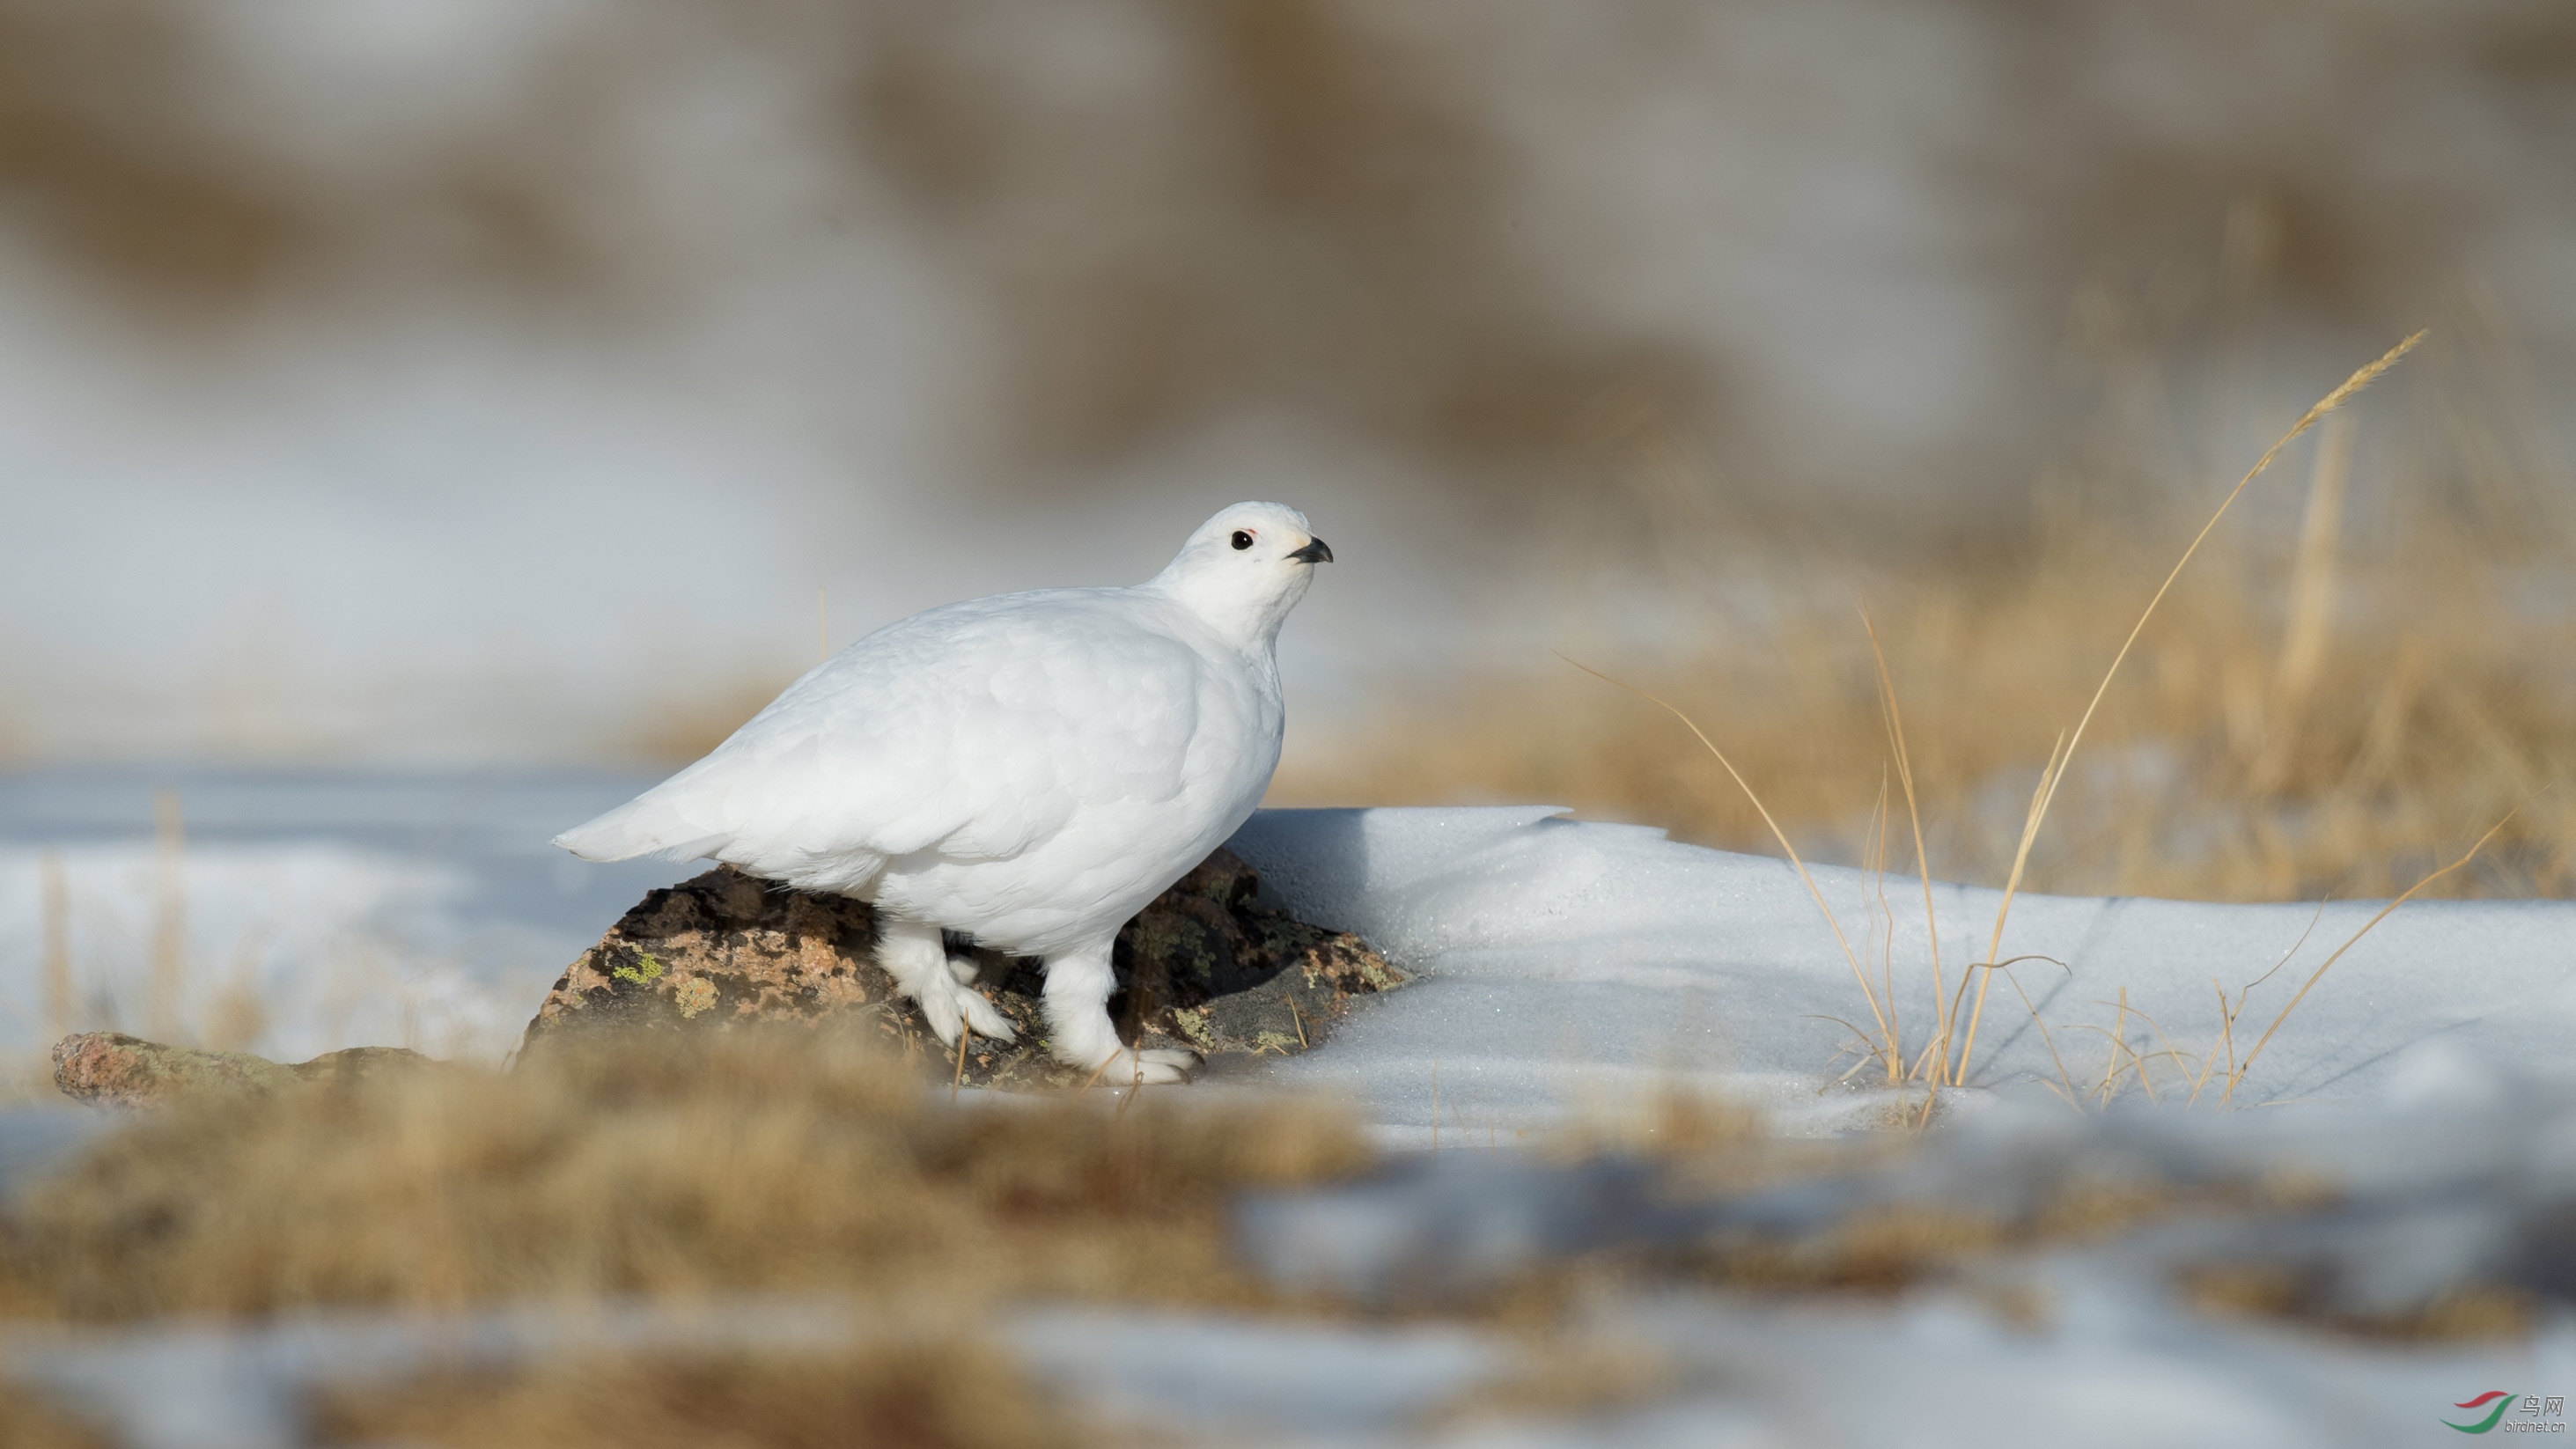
(29, 1422)
(1897, 1246)
(802, 1163)
(1563, 1375)
(2435, 708)
(756, 1162)
(1903, 1246)
(923, 1395)
(787, 1161)
(2273, 722)
(2274, 736)
(2268, 1293)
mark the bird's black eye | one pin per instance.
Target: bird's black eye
(1242, 539)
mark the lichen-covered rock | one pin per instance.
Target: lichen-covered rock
(1205, 965)
(116, 1070)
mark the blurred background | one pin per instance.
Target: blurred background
(505, 391)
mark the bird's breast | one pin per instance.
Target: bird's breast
(1116, 850)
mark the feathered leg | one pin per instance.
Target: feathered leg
(917, 958)
(1079, 1032)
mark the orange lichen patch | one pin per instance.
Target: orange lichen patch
(115, 1070)
(1205, 965)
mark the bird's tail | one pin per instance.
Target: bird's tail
(645, 825)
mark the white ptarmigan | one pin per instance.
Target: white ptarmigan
(1029, 770)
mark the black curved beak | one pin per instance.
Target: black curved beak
(1315, 551)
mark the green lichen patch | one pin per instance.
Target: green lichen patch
(643, 972)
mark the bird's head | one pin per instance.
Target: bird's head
(1246, 568)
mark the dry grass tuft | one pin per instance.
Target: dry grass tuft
(2277, 1295)
(28, 1422)
(2435, 709)
(916, 1395)
(2316, 711)
(1888, 1249)
(2307, 788)
(801, 1162)
(1670, 1122)
(750, 1161)
(1880, 1252)
(787, 1161)
(1567, 1375)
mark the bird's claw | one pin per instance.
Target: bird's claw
(1153, 1067)
(985, 1017)
(947, 1005)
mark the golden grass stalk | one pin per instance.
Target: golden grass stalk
(1883, 913)
(1914, 817)
(239, 1013)
(2228, 1013)
(54, 889)
(1097, 1073)
(2119, 1035)
(2236, 1074)
(2169, 1052)
(2227, 1035)
(1887, 1050)
(2312, 590)
(2046, 1037)
(169, 916)
(2056, 771)
(1984, 970)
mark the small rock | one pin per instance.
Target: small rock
(1205, 965)
(115, 1070)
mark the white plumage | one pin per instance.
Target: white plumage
(1028, 769)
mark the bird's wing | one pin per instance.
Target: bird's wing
(973, 731)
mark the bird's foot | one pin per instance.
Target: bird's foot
(1153, 1067)
(948, 1002)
